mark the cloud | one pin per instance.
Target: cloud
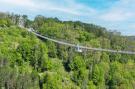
(20, 4)
(69, 6)
(24, 3)
(132, 26)
(122, 11)
(117, 15)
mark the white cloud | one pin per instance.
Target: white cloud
(132, 26)
(117, 15)
(122, 11)
(70, 6)
(22, 4)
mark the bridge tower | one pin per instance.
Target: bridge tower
(21, 22)
(78, 49)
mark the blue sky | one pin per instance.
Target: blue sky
(112, 14)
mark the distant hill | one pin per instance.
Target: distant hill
(131, 38)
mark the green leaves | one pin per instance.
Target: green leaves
(27, 62)
(77, 63)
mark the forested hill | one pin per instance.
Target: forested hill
(29, 62)
(131, 38)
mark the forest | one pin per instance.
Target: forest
(29, 62)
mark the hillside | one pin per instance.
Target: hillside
(29, 62)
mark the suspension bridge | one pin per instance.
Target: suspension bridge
(78, 47)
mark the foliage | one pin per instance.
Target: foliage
(29, 62)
